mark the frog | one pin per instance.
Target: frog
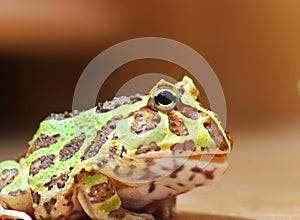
(127, 158)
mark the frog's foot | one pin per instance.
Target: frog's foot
(99, 199)
(162, 209)
(123, 214)
(12, 214)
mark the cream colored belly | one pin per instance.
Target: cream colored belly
(184, 179)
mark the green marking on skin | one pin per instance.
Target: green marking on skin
(90, 180)
(20, 182)
(9, 164)
(111, 204)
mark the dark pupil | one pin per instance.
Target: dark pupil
(164, 98)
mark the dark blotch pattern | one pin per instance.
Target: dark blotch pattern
(36, 197)
(43, 141)
(101, 192)
(58, 181)
(123, 151)
(41, 163)
(151, 147)
(175, 173)
(63, 116)
(209, 174)
(188, 111)
(7, 176)
(216, 134)
(101, 138)
(71, 148)
(117, 102)
(176, 125)
(68, 197)
(16, 193)
(180, 148)
(48, 205)
(151, 187)
(145, 120)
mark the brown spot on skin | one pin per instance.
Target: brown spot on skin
(63, 116)
(115, 137)
(145, 120)
(102, 163)
(151, 187)
(117, 102)
(69, 199)
(58, 181)
(181, 184)
(41, 163)
(116, 170)
(16, 193)
(71, 148)
(205, 149)
(7, 176)
(100, 139)
(196, 169)
(174, 174)
(188, 111)
(149, 175)
(48, 205)
(101, 192)
(181, 90)
(43, 141)
(36, 197)
(151, 147)
(112, 152)
(176, 125)
(149, 161)
(216, 134)
(199, 184)
(76, 178)
(192, 177)
(123, 151)
(117, 214)
(209, 174)
(183, 147)
(131, 166)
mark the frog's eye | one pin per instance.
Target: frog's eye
(164, 99)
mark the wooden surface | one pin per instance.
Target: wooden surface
(263, 181)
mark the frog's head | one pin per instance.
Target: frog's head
(167, 123)
(170, 121)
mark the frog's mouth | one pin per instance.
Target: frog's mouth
(206, 158)
(213, 158)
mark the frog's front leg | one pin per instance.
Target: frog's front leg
(12, 214)
(99, 199)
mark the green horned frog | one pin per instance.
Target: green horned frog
(127, 158)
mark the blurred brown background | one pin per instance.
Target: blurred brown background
(253, 47)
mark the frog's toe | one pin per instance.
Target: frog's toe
(123, 214)
(12, 214)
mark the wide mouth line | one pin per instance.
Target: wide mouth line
(204, 157)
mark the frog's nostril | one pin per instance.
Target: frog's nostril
(207, 126)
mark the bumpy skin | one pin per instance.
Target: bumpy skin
(124, 159)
